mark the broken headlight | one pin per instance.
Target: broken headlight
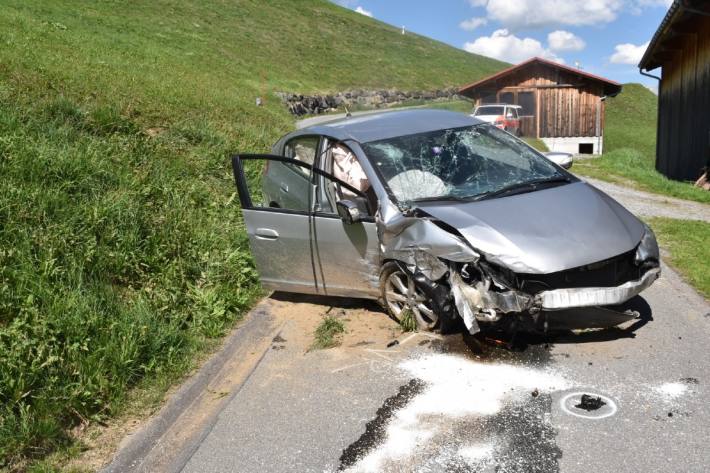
(648, 248)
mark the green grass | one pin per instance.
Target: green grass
(463, 106)
(630, 147)
(687, 242)
(536, 143)
(407, 321)
(122, 249)
(327, 333)
(629, 167)
(630, 121)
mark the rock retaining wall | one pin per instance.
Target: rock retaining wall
(300, 105)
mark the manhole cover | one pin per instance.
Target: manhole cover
(588, 405)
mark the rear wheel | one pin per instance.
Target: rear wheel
(401, 296)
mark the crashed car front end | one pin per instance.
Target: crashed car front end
(505, 230)
(449, 269)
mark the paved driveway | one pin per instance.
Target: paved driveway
(435, 403)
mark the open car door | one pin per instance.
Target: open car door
(299, 246)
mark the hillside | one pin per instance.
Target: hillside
(631, 121)
(122, 251)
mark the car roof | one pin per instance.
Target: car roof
(388, 124)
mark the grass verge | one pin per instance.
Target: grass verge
(629, 167)
(536, 143)
(688, 243)
(327, 333)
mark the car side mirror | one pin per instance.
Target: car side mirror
(349, 210)
(510, 115)
(563, 160)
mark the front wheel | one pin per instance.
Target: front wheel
(401, 297)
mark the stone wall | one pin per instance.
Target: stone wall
(300, 105)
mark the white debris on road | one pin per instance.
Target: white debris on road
(456, 387)
(477, 453)
(671, 391)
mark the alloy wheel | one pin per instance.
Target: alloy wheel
(401, 294)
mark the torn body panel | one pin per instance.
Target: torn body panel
(420, 243)
(434, 253)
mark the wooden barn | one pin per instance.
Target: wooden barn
(681, 47)
(562, 106)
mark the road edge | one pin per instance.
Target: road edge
(135, 451)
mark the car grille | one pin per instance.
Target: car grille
(608, 273)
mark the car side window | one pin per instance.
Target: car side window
(277, 183)
(342, 163)
(302, 148)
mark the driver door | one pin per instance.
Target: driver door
(299, 246)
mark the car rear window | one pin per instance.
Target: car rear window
(489, 111)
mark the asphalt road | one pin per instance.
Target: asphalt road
(445, 403)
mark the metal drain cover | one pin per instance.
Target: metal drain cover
(588, 405)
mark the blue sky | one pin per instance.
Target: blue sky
(606, 37)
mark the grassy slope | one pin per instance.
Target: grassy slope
(122, 251)
(687, 242)
(630, 147)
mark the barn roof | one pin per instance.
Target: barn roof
(674, 24)
(610, 87)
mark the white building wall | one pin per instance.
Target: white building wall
(571, 144)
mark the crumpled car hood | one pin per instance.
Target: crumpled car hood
(545, 231)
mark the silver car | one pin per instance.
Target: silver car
(441, 217)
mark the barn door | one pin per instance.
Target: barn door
(528, 118)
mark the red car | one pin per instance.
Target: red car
(504, 116)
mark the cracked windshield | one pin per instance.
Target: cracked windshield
(458, 164)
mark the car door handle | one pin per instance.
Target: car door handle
(283, 187)
(266, 234)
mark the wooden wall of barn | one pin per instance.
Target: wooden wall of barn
(567, 105)
(683, 146)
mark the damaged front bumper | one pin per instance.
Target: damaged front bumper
(481, 304)
(596, 296)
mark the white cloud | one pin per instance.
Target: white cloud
(654, 3)
(520, 14)
(507, 47)
(628, 53)
(362, 11)
(472, 23)
(561, 40)
(636, 7)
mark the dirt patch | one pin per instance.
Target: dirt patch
(366, 324)
(367, 328)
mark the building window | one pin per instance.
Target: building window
(507, 97)
(527, 101)
(488, 97)
(586, 148)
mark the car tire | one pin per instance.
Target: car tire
(400, 292)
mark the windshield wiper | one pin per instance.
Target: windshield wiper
(522, 187)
